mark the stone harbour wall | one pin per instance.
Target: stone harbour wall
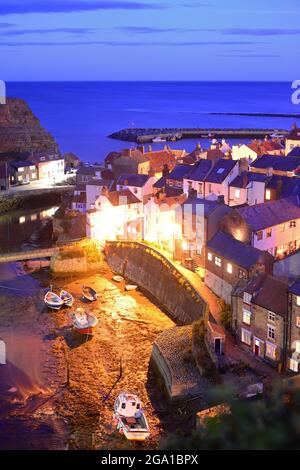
(150, 270)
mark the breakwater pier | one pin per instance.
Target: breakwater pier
(144, 135)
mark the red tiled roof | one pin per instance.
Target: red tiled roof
(160, 158)
(117, 198)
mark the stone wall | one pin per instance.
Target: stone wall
(148, 268)
(220, 287)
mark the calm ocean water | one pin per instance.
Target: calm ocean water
(80, 115)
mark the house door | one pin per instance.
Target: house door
(2, 352)
(256, 349)
(218, 345)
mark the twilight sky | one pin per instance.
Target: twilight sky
(149, 40)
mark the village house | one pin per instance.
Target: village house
(50, 168)
(95, 187)
(229, 260)
(171, 183)
(254, 188)
(195, 177)
(78, 202)
(160, 158)
(273, 165)
(260, 318)
(23, 172)
(292, 139)
(293, 361)
(160, 225)
(199, 221)
(218, 179)
(272, 226)
(86, 173)
(257, 148)
(140, 185)
(116, 215)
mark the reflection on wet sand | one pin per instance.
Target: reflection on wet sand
(62, 386)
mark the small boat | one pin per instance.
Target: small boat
(118, 278)
(158, 139)
(131, 287)
(129, 417)
(53, 301)
(84, 323)
(89, 293)
(67, 298)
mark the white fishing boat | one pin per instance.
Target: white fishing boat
(67, 298)
(84, 323)
(118, 278)
(53, 301)
(131, 287)
(129, 417)
(89, 293)
(158, 139)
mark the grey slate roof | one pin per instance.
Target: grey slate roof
(269, 292)
(295, 287)
(271, 213)
(233, 250)
(221, 170)
(295, 152)
(21, 164)
(199, 171)
(179, 172)
(132, 180)
(208, 206)
(277, 163)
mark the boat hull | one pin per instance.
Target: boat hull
(85, 331)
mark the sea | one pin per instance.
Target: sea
(81, 115)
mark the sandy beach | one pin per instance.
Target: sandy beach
(58, 387)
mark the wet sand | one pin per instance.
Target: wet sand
(59, 387)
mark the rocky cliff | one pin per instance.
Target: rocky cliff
(21, 131)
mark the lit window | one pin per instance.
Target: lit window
(209, 257)
(22, 220)
(246, 317)
(268, 195)
(21, 169)
(282, 227)
(200, 188)
(298, 321)
(271, 332)
(297, 346)
(259, 235)
(269, 232)
(294, 365)
(271, 316)
(247, 298)
(298, 300)
(292, 223)
(237, 194)
(242, 274)
(246, 337)
(229, 268)
(271, 351)
(218, 261)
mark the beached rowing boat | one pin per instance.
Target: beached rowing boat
(89, 293)
(53, 301)
(67, 298)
